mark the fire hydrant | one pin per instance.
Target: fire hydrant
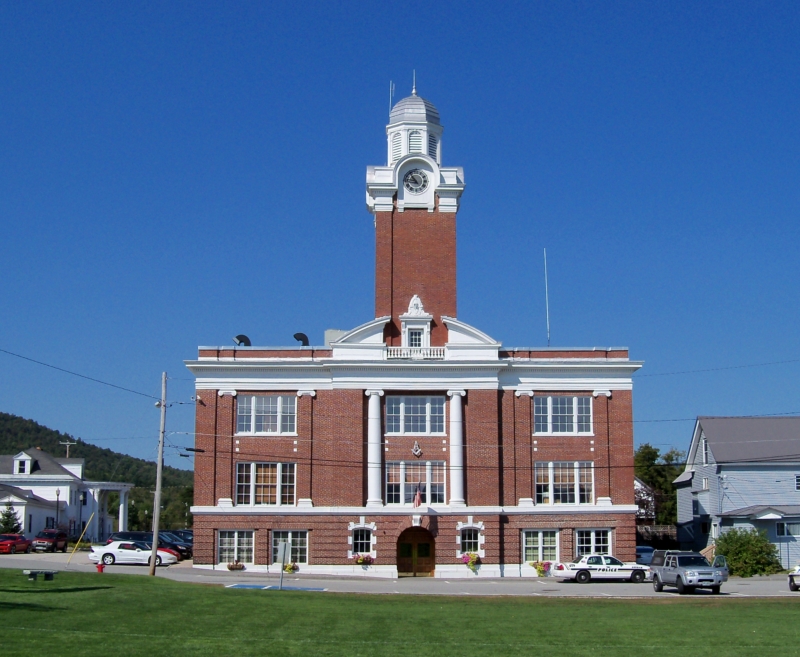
(101, 567)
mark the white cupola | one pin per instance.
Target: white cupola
(414, 176)
(414, 127)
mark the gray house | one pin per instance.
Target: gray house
(743, 473)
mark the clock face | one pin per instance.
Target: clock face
(416, 181)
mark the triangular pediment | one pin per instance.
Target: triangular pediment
(461, 333)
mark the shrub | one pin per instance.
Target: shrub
(748, 552)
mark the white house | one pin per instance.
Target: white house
(46, 491)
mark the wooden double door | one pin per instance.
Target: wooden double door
(416, 553)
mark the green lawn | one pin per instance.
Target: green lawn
(124, 615)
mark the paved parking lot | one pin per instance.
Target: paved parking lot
(772, 586)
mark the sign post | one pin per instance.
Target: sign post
(283, 553)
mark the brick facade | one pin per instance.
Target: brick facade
(341, 445)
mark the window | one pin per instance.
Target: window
(695, 507)
(788, 528)
(704, 448)
(362, 541)
(564, 482)
(22, 467)
(415, 338)
(469, 540)
(396, 146)
(592, 541)
(539, 545)
(298, 543)
(704, 527)
(265, 483)
(415, 142)
(562, 415)
(403, 479)
(266, 414)
(415, 415)
(704, 483)
(49, 523)
(235, 546)
(797, 482)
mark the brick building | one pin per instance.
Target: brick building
(414, 438)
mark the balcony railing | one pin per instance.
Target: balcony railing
(414, 353)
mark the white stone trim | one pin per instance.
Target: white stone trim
(306, 393)
(401, 510)
(605, 393)
(222, 393)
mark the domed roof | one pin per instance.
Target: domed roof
(414, 108)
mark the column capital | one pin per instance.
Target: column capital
(520, 393)
(369, 393)
(605, 393)
(456, 393)
(304, 393)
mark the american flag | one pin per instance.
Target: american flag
(418, 496)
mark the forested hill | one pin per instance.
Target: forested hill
(17, 433)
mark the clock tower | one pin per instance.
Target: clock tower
(415, 200)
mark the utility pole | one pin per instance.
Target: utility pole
(159, 467)
(67, 443)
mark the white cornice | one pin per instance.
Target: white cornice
(543, 509)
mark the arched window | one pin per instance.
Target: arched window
(432, 146)
(415, 142)
(397, 147)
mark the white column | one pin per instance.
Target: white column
(123, 511)
(93, 531)
(374, 456)
(456, 448)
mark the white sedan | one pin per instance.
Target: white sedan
(599, 566)
(128, 552)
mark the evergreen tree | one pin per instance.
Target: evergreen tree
(9, 524)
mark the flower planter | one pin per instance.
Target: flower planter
(235, 565)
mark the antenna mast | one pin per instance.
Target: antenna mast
(546, 298)
(391, 95)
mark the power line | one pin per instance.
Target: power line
(82, 376)
(717, 369)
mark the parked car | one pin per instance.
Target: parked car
(644, 554)
(183, 550)
(129, 552)
(184, 547)
(13, 543)
(50, 540)
(687, 571)
(599, 566)
(186, 534)
(794, 579)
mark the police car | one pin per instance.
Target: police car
(599, 566)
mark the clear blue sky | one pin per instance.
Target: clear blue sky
(173, 174)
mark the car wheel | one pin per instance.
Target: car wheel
(583, 577)
(657, 585)
(28, 550)
(64, 549)
(13, 549)
(792, 585)
(715, 590)
(637, 577)
(680, 586)
(158, 560)
(108, 559)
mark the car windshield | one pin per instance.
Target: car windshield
(693, 561)
(45, 535)
(578, 559)
(8, 537)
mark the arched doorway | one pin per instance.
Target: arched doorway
(416, 553)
